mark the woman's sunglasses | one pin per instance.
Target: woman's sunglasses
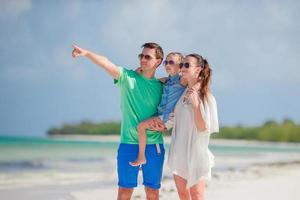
(186, 65)
(147, 57)
(170, 62)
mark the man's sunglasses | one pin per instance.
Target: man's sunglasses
(170, 62)
(147, 57)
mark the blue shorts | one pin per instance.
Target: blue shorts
(152, 170)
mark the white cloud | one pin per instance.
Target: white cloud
(245, 42)
(248, 42)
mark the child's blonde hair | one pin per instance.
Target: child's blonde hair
(178, 55)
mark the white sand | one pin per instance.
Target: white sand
(276, 183)
(260, 183)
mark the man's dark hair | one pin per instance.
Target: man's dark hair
(158, 50)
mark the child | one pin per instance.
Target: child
(173, 88)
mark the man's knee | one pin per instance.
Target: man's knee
(124, 193)
(152, 194)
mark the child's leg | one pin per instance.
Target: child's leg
(142, 127)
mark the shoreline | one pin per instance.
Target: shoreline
(167, 140)
(94, 138)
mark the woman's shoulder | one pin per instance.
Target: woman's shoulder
(210, 98)
(210, 95)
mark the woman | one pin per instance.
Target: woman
(195, 118)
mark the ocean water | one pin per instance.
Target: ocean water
(31, 162)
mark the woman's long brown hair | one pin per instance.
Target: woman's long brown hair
(204, 76)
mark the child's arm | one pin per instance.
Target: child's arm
(99, 60)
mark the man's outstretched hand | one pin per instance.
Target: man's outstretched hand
(98, 59)
(77, 51)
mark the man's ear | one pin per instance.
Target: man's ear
(159, 62)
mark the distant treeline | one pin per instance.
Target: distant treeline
(286, 131)
(87, 128)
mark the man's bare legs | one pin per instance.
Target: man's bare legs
(152, 194)
(155, 124)
(124, 193)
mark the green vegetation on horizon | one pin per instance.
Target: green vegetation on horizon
(88, 128)
(287, 131)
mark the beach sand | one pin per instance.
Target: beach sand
(275, 181)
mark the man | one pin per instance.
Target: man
(140, 96)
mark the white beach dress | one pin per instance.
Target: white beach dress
(189, 156)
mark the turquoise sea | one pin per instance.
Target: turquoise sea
(29, 153)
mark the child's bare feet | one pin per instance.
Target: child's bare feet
(138, 162)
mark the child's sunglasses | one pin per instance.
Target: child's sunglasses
(170, 62)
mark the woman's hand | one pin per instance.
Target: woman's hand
(196, 102)
(194, 97)
(77, 51)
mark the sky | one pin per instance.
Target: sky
(252, 46)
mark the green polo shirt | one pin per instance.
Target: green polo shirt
(140, 97)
